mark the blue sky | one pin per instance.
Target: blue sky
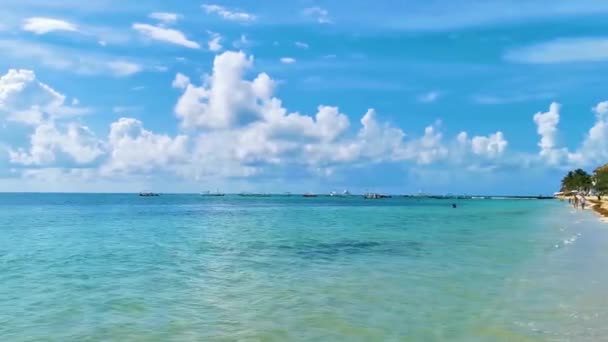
(438, 96)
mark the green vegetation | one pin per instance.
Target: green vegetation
(577, 180)
(600, 180)
(581, 181)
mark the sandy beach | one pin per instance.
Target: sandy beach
(600, 207)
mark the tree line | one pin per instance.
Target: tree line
(581, 181)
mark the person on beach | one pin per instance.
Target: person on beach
(583, 200)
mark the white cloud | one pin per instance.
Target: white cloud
(125, 109)
(166, 35)
(561, 51)
(288, 60)
(181, 81)
(235, 126)
(135, 149)
(77, 142)
(26, 100)
(512, 98)
(65, 59)
(430, 148)
(214, 43)
(546, 124)
(245, 129)
(227, 100)
(242, 42)
(491, 146)
(165, 17)
(319, 14)
(594, 149)
(228, 14)
(302, 45)
(40, 25)
(429, 97)
(124, 68)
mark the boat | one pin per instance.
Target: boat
(309, 195)
(212, 194)
(148, 194)
(372, 195)
(344, 193)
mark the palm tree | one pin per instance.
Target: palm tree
(577, 180)
(600, 180)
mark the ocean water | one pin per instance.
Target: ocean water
(191, 268)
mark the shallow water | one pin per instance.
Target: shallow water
(192, 268)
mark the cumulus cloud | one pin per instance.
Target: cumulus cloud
(244, 125)
(594, 148)
(214, 43)
(26, 100)
(233, 125)
(592, 151)
(546, 124)
(491, 146)
(228, 14)
(76, 141)
(227, 99)
(135, 149)
(166, 35)
(41, 25)
(181, 81)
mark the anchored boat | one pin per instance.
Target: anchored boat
(212, 194)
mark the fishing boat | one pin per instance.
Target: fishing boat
(212, 194)
(372, 195)
(148, 194)
(309, 195)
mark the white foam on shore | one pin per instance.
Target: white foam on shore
(571, 240)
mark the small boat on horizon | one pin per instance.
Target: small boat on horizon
(371, 195)
(212, 194)
(344, 193)
(309, 195)
(148, 194)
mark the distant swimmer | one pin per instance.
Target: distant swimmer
(453, 205)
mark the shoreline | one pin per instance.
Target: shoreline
(599, 207)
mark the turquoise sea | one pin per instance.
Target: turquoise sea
(91, 267)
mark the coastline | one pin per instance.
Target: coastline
(600, 207)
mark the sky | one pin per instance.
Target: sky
(459, 96)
